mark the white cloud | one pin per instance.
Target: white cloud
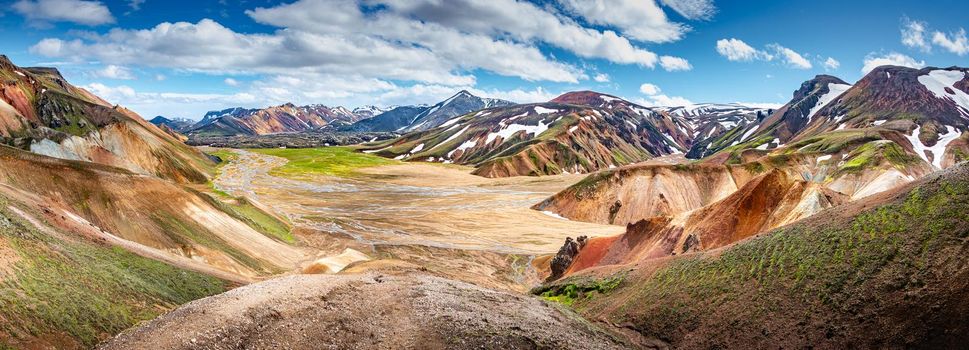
(654, 97)
(160, 77)
(639, 19)
(913, 34)
(89, 13)
(692, 9)
(792, 58)
(873, 61)
(114, 72)
(954, 42)
(367, 51)
(673, 64)
(135, 4)
(231, 82)
(649, 89)
(458, 28)
(831, 63)
(737, 50)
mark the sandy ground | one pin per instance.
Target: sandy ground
(404, 311)
(415, 204)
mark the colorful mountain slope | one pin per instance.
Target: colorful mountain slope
(422, 117)
(285, 118)
(576, 132)
(884, 272)
(43, 113)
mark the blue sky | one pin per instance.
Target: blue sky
(182, 58)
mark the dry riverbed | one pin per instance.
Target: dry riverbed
(435, 217)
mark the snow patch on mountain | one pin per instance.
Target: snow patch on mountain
(938, 81)
(834, 90)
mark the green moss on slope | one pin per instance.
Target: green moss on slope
(86, 291)
(813, 279)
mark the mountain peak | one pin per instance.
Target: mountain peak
(584, 97)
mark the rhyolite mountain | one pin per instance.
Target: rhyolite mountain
(104, 221)
(859, 275)
(43, 113)
(419, 118)
(892, 127)
(782, 124)
(577, 132)
(286, 118)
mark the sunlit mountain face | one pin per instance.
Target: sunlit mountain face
(504, 174)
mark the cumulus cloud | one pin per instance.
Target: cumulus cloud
(873, 61)
(831, 63)
(135, 5)
(954, 42)
(692, 9)
(640, 20)
(737, 50)
(114, 72)
(655, 97)
(370, 48)
(913, 34)
(601, 78)
(673, 64)
(649, 89)
(89, 13)
(791, 57)
(231, 82)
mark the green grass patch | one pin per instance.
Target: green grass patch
(569, 293)
(328, 161)
(87, 291)
(829, 269)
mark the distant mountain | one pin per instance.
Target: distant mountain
(177, 124)
(710, 122)
(277, 119)
(419, 118)
(395, 119)
(576, 132)
(366, 112)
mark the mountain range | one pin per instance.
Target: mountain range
(847, 198)
(289, 118)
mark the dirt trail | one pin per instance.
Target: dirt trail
(403, 311)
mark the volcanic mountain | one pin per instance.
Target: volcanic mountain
(857, 275)
(104, 221)
(577, 132)
(43, 113)
(277, 119)
(760, 182)
(419, 118)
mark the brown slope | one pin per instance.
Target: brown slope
(885, 272)
(43, 113)
(148, 211)
(763, 203)
(629, 194)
